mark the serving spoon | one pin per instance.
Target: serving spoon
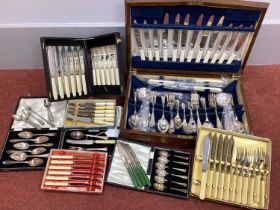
(28, 134)
(33, 162)
(36, 151)
(24, 156)
(24, 145)
(37, 140)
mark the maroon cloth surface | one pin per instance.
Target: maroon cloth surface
(21, 190)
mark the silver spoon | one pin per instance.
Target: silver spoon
(28, 134)
(133, 119)
(163, 173)
(206, 123)
(25, 119)
(213, 103)
(238, 126)
(33, 162)
(170, 103)
(177, 119)
(195, 104)
(192, 124)
(37, 140)
(163, 124)
(80, 135)
(36, 151)
(163, 166)
(185, 126)
(165, 160)
(162, 180)
(24, 156)
(166, 154)
(28, 113)
(24, 145)
(161, 187)
(48, 104)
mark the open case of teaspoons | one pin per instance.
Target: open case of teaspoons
(232, 168)
(79, 67)
(179, 54)
(81, 124)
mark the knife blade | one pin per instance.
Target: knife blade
(147, 42)
(165, 37)
(138, 39)
(213, 39)
(98, 120)
(223, 167)
(156, 42)
(218, 159)
(212, 164)
(175, 39)
(90, 142)
(205, 157)
(184, 39)
(53, 73)
(194, 38)
(201, 42)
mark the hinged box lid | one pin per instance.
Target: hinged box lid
(198, 36)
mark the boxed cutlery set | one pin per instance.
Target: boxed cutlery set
(185, 60)
(232, 168)
(76, 67)
(40, 125)
(75, 171)
(150, 169)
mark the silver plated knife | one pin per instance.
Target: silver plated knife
(156, 42)
(90, 142)
(184, 39)
(228, 169)
(175, 39)
(223, 168)
(147, 42)
(165, 38)
(205, 157)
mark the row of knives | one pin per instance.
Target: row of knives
(105, 65)
(67, 71)
(177, 45)
(239, 178)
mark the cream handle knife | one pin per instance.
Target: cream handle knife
(239, 188)
(215, 184)
(221, 185)
(203, 185)
(210, 181)
(227, 187)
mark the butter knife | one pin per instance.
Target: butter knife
(205, 157)
(195, 35)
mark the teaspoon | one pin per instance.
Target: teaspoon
(37, 140)
(161, 187)
(177, 119)
(162, 166)
(206, 123)
(164, 160)
(33, 162)
(162, 180)
(36, 151)
(133, 119)
(24, 145)
(163, 173)
(24, 156)
(28, 134)
(166, 154)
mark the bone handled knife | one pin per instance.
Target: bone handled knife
(82, 65)
(176, 40)
(184, 39)
(218, 160)
(138, 42)
(156, 42)
(94, 66)
(59, 71)
(77, 70)
(165, 38)
(194, 38)
(223, 168)
(70, 62)
(213, 154)
(213, 40)
(228, 169)
(203, 41)
(63, 67)
(205, 157)
(147, 42)
(53, 75)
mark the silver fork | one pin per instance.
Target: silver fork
(248, 160)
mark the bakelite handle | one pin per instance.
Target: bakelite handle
(54, 89)
(232, 191)
(221, 185)
(210, 181)
(60, 87)
(239, 185)
(84, 83)
(203, 185)
(112, 76)
(215, 185)
(73, 85)
(67, 87)
(79, 85)
(251, 190)
(244, 199)
(227, 187)
(262, 194)
(257, 188)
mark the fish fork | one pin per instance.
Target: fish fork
(263, 196)
(234, 176)
(260, 160)
(248, 161)
(239, 182)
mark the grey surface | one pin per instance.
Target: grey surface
(20, 47)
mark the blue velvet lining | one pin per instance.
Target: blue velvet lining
(137, 83)
(234, 67)
(234, 16)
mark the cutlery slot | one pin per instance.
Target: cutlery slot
(8, 146)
